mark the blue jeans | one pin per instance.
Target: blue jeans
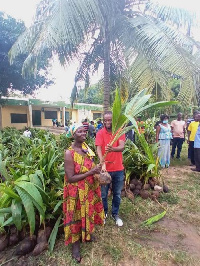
(117, 185)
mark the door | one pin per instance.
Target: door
(36, 117)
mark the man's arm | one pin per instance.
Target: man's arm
(99, 153)
(101, 159)
(188, 133)
(119, 148)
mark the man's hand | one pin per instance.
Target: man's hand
(103, 169)
(109, 148)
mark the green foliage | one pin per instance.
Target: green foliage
(154, 219)
(10, 30)
(140, 159)
(34, 173)
(91, 95)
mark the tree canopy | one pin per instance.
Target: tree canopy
(148, 39)
(93, 95)
(10, 30)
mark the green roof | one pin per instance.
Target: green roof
(38, 102)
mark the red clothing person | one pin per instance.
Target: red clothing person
(113, 164)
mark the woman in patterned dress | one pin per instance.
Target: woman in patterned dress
(82, 204)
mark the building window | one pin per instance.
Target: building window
(18, 118)
(50, 114)
(96, 115)
(67, 115)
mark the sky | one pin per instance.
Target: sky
(64, 78)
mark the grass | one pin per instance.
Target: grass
(172, 241)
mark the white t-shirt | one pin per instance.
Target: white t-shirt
(27, 133)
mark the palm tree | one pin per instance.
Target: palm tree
(142, 36)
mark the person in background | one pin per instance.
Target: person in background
(86, 125)
(99, 125)
(54, 120)
(113, 164)
(82, 203)
(27, 133)
(158, 122)
(197, 147)
(178, 133)
(91, 130)
(163, 136)
(192, 129)
(189, 120)
(130, 134)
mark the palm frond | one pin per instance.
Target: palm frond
(60, 27)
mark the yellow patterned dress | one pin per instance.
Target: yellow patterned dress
(82, 204)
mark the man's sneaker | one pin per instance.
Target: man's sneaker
(106, 215)
(118, 221)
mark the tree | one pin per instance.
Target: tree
(93, 95)
(142, 36)
(10, 75)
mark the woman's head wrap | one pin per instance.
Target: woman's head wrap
(72, 129)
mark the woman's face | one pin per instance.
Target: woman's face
(80, 134)
(165, 120)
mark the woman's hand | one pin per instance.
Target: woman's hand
(96, 169)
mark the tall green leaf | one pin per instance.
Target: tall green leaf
(53, 235)
(31, 190)
(29, 208)
(9, 191)
(16, 208)
(3, 170)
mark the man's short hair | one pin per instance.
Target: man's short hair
(107, 113)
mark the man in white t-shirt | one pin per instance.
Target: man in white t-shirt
(178, 132)
(27, 133)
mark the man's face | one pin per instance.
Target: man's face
(107, 120)
(179, 116)
(198, 117)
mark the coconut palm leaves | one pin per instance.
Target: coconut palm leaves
(91, 30)
(25, 197)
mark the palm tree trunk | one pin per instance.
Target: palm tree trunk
(106, 102)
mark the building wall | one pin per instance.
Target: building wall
(76, 115)
(6, 116)
(47, 122)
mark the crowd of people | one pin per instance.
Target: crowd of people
(174, 134)
(85, 199)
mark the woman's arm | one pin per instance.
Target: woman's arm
(157, 133)
(69, 169)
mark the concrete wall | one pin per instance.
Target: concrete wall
(6, 116)
(77, 115)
